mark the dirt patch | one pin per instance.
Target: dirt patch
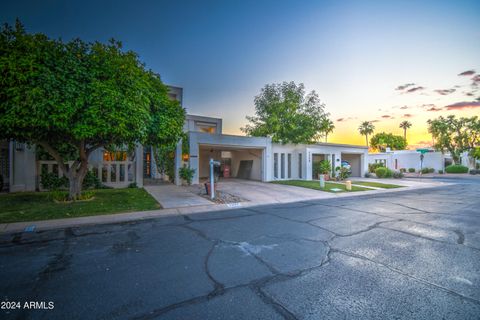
(220, 196)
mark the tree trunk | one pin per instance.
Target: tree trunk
(75, 188)
(366, 139)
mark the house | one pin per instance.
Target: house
(255, 158)
(405, 159)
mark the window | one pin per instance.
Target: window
(300, 166)
(282, 165)
(289, 165)
(206, 127)
(275, 165)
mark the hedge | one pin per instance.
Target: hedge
(456, 168)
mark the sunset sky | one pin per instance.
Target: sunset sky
(382, 61)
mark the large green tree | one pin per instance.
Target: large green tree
(381, 141)
(455, 135)
(287, 114)
(80, 96)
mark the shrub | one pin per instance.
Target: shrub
(62, 196)
(473, 171)
(398, 175)
(403, 170)
(91, 181)
(86, 195)
(440, 171)
(1, 182)
(368, 175)
(59, 196)
(51, 181)
(411, 170)
(456, 168)
(186, 173)
(373, 166)
(342, 173)
(325, 167)
(389, 173)
(427, 170)
(133, 185)
(381, 172)
(321, 167)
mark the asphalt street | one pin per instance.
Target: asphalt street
(402, 255)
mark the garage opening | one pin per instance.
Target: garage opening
(241, 163)
(354, 161)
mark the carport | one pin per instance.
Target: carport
(245, 157)
(355, 161)
(236, 162)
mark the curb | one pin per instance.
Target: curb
(43, 225)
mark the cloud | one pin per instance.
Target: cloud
(444, 92)
(434, 109)
(467, 73)
(404, 107)
(386, 116)
(376, 120)
(408, 115)
(476, 80)
(469, 94)
(463, 105)
(346, 119)
(424, 142)
(414, 89)
(404, 86)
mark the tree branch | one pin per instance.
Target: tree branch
(54, 153)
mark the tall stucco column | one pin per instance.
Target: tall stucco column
(193, 158)
(308, 164)
(178, 162)
(267, 163)
(139, 165)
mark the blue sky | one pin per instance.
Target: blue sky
(353, 53)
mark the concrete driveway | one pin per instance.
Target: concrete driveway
(403, 255)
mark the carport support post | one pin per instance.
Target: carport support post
(212, 181)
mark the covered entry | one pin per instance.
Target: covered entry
(236, 162)
(242, 157)
(355, 162)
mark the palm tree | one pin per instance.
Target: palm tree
(366, 128)
(405, 125)
(327, 127)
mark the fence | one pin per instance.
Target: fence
(116, 174)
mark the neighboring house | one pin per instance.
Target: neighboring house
(405, 159)
(254, 158)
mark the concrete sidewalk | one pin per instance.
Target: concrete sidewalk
(172, 196)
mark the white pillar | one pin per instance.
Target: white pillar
(138, 165)
(178, 162)
(193, 158)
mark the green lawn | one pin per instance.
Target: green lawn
(34, 206)
(316, 185)
(377, 184)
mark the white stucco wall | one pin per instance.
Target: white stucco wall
(255, 155)
(410, 159)
(23, 167)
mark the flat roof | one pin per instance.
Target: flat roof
(328, 144)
